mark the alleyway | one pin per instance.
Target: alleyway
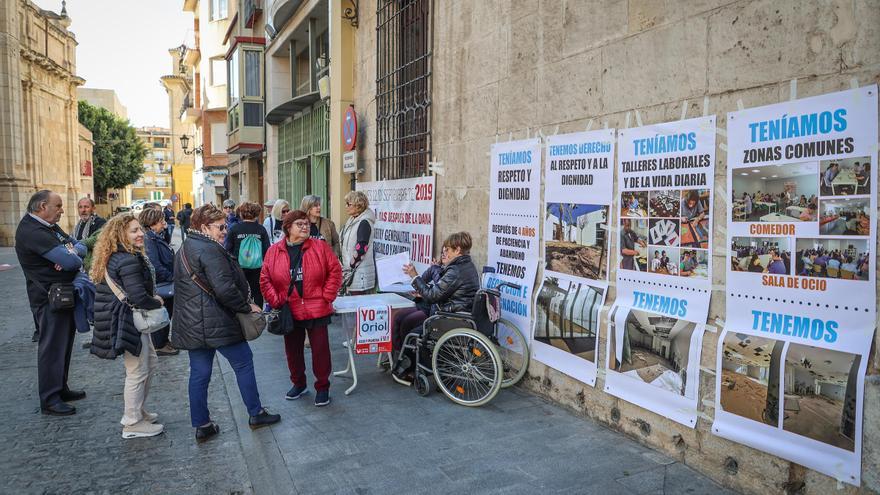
(382, 439)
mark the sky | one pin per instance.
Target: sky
(123, 45)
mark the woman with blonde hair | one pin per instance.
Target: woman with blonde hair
(358, 262)
(273, 222)
(321, 228)
(125, 280)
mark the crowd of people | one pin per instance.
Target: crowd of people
(749, 259)
(820, 262)
(120, 279)
(747, 207)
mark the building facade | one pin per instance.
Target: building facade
(86, 170)
(156, 182)
(441, 82)
(204, 105)
(39, 130)
(178, 83)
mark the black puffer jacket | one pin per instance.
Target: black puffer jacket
(202, 321)
(114, 325)
(456, 289)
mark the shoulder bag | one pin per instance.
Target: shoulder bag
(145, 320)
(281, 319)
(252, 323)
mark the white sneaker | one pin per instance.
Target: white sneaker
(149, 417)
(142, 429)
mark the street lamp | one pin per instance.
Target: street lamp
(184, 143)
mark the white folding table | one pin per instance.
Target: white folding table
(347, 306)
(844, 178)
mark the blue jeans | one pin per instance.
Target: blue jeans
(201, 364)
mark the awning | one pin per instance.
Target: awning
(289, 108)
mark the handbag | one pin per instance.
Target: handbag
(252, 323)
(145, 320)
(281, 319)
(61, 296)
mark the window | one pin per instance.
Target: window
(218, 71)
(218, 138)
(253, 114)
(301, 82)
(219, 9)
(403, 88)
(252, 72)
(233, 84)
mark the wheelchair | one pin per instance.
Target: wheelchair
(470, 356)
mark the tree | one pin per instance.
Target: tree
(118, 155)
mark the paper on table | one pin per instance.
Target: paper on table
(390, 270)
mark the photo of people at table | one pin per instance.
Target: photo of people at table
(776, 193)
(634, 244)
(634, 204)
(845, 216)
(695, 218)
(847, 177)
(664, 260)
(694, 263)
(846, 259)
(761, 255)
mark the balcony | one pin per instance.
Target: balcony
(253, 9)
(280, 11)
(188, 113)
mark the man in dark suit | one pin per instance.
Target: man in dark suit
(49, 256)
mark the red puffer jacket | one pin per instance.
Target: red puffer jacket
(322, 277)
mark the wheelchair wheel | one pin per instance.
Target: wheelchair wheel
(422, 384)
(467, 367)
(514, 351)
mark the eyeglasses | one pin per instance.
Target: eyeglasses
(227, 207)
(285, 211)
(221, 227)
(302, 225)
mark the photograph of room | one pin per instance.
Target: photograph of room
(750, 377)
(846, 177)
(576, 239)
(567, 316)
(694, 263)
(776, 193)
(633, 244)
(634, 204)
(820, 394)
(761, 255)
(846, 259)
(655, 350)
(663, 232)
(664, 260)
(664, 204)
(845, 216)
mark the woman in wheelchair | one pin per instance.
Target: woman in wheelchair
(449, 287)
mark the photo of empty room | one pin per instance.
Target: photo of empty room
(775, 193)
(750, 377)
(634, 204)
(845, 216)
(664, 204)
(655, 349)
(761, 255)
(845, 259)
(567, 316)
(576, 239)
(820, 394)
(664, 260)
(845, 177)
(634, 244)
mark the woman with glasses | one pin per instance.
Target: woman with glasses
(273, 222)
(210, 289)
(322, 229)
(358, 263)
(305, 274)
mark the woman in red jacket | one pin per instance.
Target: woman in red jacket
(315, 274)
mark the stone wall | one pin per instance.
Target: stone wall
(507, 69)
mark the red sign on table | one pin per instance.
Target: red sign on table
(373, 334)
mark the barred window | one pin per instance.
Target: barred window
(403, 88)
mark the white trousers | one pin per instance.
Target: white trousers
(138, 372)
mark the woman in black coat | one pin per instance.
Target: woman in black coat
(162, 258)
(205, 322)
(119, 260)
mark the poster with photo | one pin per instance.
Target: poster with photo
(654, 362)
(665, 186)
(578, 184)
(665, 177)
(801, 275)
(514, 202)
(404, 211)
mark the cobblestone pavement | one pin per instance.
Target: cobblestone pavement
(383, 438)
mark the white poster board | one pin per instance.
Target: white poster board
(578, 185)
(514, 200)
(664, 276)
(404, 217)
(801, 288)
